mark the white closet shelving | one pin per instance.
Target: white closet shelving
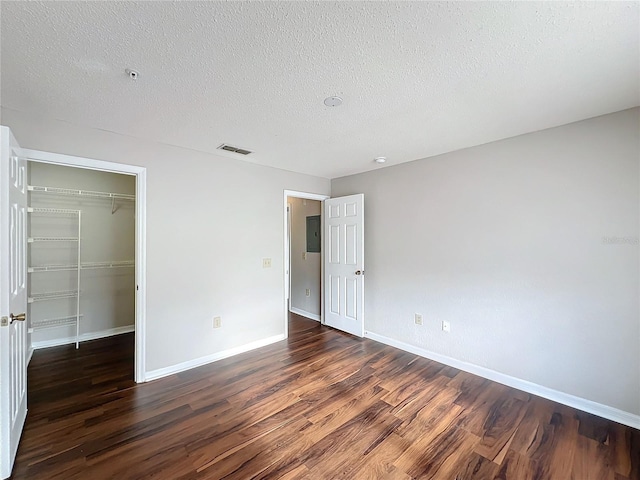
(52, 296)
(83, 266)
(56, 322)
(72, 241)
(79, 193)
(40, 297)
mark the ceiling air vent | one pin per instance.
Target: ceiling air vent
(230, 148)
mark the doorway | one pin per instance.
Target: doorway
(303, 255)
(138, 262)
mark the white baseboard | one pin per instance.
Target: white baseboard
(304, 313)
(583, 404)
(198, 362)
(83, 338)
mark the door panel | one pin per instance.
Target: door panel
(351, 244)
(344, 263)
(334, 298)
(13, 298)
(334, 244)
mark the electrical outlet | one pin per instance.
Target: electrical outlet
(307, 292)
(418, 319)
(266, 263)
(446, 326)
(304, 255)
(217, 322)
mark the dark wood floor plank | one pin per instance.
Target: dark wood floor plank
(499, 428)
(319, 405)
(476, 467)
(519, 467)
(591, 460)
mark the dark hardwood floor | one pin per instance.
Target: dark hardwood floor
(321, 405)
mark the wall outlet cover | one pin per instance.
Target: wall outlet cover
(418, 319)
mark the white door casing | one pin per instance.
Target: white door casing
(13, 298)
(287, 257)
(344, 263)
(141, 235)
(286, 221)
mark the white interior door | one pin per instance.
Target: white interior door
(13, 298)
(344, 263)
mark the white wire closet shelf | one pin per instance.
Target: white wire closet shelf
(118, 264)
(80, 193)
(52, 239)
(83, 266)
(39, 297)
(52, 211)
(51, 268)
(54, 322)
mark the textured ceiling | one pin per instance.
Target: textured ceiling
(418, 79)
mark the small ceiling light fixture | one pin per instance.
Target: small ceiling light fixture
(333, 101)
(133, 74)
(380, 159)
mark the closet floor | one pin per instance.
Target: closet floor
(320, 405)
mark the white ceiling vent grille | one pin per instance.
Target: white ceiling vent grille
(230, 148)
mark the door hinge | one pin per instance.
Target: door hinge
(4, 322)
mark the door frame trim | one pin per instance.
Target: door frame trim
(286, 247)
(141, 236)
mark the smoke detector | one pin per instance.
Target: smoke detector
(333, 101)
(380, 159)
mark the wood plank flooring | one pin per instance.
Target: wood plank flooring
(321, 405)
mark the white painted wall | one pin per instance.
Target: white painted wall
(507, 241)
(107, 299)
(210, 222)
(305, 272)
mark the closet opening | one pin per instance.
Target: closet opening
(102, 257)
(80, 256)
(303, 255)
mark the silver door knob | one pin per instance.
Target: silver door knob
(359, 272)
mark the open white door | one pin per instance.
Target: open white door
(13, 298)
(344, 263)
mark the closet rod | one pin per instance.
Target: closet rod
(79, 193)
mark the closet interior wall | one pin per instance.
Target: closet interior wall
(107, 294)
